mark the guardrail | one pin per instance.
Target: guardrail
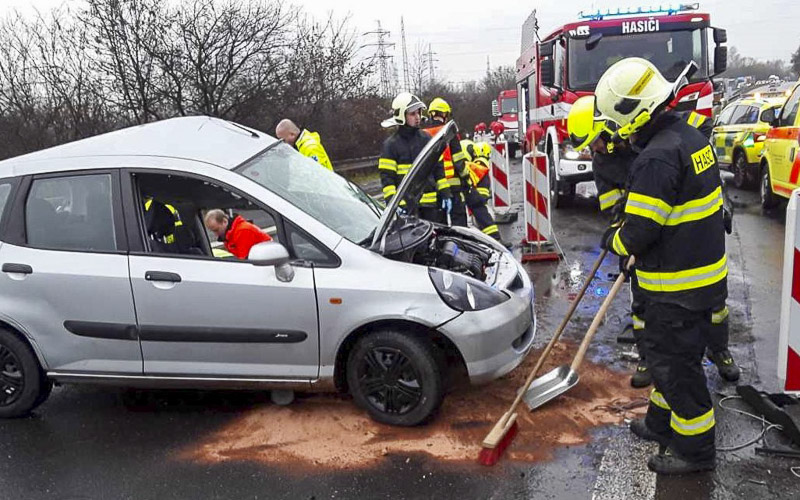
(356, 165)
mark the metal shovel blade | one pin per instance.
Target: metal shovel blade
(550, 385)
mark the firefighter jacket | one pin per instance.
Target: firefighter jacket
(479, 178)
(397, 156)
(673, 217)
(452, 161)
(242, 235)
(309, 145)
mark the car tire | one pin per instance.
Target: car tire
(739, 169)
(768, 198)
(395, 377)
(21, 377)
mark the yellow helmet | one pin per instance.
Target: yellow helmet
(584, 122)
(485, 150)
(439, 105)
(469, 149)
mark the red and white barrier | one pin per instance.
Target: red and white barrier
(789, 343)
(501, 199)
(538, 242)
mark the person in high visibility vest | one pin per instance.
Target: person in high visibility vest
(398, 154)
(479, 193)
(611, 164)
(673, 225)
(306, 142)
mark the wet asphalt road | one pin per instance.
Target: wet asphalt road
(107, 443)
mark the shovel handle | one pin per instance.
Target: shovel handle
(559, 331)
(599, 318)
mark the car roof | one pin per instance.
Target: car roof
(200, 138)
(751, 101)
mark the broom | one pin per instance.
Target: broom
(504, 431)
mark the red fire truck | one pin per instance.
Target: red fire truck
(555, 71)
(505, 109)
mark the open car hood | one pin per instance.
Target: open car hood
(413, 183)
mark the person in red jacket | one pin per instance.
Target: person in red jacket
(237, 234)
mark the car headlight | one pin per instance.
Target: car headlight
(465, 294)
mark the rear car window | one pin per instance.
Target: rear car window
(5, 190)
(71, 213)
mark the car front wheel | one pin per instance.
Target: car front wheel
(768, 198)
(395, 377)
(21, 379)
(740, 178)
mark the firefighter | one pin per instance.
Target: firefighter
(479, 192)
(306, 142)
(439, 113)
(610, 165)
(674, 227)
(399, 152)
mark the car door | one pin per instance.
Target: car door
(64, 274)
(721, 133)
(201, 316)
(783, 145)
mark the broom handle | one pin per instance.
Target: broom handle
(557, 334)
(598, 318)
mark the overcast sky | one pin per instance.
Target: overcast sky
(463, 33)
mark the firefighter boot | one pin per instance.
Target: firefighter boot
(640, 429)
(726, 366)
(669, 464)
(641, 377)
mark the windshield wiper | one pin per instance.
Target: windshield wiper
(369, 237)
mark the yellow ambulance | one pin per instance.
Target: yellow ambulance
(780, 162)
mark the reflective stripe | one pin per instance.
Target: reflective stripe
(638, 323)
(442, 184)
(719, 317)
(454, 181)
(449, 172)
(428, 198)
(617, 245)
(484, 192)
(658, 399)
(609, 198)
(174, 211)
(693, 426)
(459, 156)
(490, 229)
(403, 168)
(169, 239)
(387, 164)
(666, 215)
(684, 280)
(696, 119)
(389, 191)
(696, 209)
(648, 207)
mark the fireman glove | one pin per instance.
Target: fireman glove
(447, 205)
(608, 235)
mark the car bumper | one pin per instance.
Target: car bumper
(578, 170)
(495, 341)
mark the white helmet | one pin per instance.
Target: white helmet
(631, 90)
(405, 102)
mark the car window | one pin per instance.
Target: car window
(789, 112)
(173, 211)
(303, 247)
(737, 115)
(749, 116)
(5, 190)
(725, 116)
(71, 213)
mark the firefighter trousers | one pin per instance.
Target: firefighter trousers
(483, 219)
(433, 214)
(680, 408)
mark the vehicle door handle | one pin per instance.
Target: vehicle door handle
(162, 276)
(17, 268)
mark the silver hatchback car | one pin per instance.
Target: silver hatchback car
(109, 275)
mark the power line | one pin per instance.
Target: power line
(405, 55)
(384, 59)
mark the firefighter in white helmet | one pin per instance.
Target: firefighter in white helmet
(399, 152)
(673, 225)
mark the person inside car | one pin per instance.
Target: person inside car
(237, 234)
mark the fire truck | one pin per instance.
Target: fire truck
(555, 71)
(505, 109)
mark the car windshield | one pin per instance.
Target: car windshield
(509, 105)
(670, 51)
(324, 195)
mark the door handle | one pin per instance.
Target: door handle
(162, 276)
(9, 267)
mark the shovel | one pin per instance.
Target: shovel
(560, 380)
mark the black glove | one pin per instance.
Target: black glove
(608, 236)
(727, 219)
(623, 267)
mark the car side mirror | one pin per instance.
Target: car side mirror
(720, 59)
(271, 253)
(767, 116)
